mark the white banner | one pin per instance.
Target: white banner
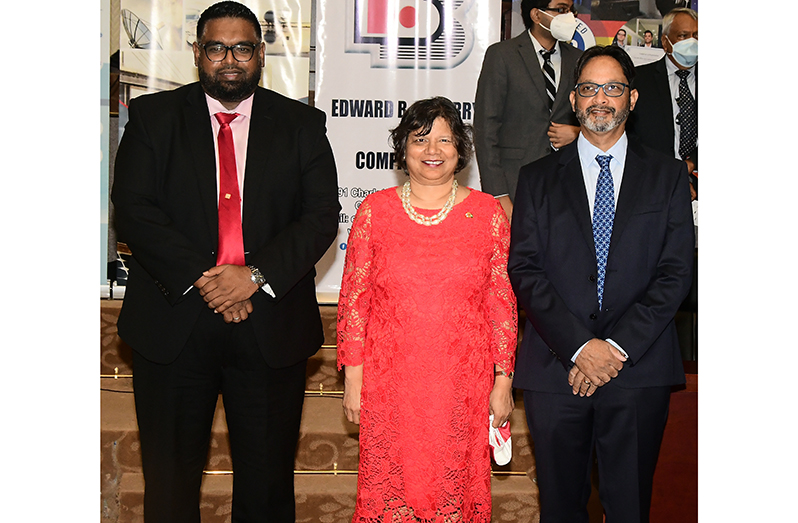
(374, 58)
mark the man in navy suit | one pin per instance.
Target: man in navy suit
(222, 300)
(600, 259)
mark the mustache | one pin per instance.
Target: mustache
(601, 107)
(232, 69)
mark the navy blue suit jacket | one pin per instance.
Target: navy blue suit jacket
(552, 266)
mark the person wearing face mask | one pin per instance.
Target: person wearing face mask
(522, 111)
(664, 119)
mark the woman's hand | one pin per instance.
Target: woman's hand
(353, 383)
(501, 400)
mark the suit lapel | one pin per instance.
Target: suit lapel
(664, 95)
(528, 55)
(574, 186)
(567, 63)
(695, 72)
(259, 149)
(200, 137)
(631, 185)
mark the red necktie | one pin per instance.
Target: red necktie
(231, 239)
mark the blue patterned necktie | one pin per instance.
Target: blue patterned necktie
(603, 216)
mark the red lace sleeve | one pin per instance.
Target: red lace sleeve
(501, 299)
(355, 297)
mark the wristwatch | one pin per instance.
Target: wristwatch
(506, 374)
(257, 277)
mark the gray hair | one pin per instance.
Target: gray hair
(667, 20)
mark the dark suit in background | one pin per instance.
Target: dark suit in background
(652, 121)
(511, 114)
(165, 195)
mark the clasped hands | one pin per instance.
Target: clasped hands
(595, 366)
(227, 289)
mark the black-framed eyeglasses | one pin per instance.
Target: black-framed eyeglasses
(611, 89)
(561, 10)
(218, 52)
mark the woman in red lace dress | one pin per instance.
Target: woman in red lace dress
(427, 330)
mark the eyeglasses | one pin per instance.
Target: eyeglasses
(611, 89)
(218, 52)
(561, 10)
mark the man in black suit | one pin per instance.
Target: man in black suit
(516, 117)
(657, 121)
(600, 284)
(226, 194)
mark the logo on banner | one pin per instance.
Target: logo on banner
(583, 36)
(410, 34)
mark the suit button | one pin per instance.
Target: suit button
(592, 278)
(593, 316)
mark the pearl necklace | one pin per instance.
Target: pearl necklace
(420, 218)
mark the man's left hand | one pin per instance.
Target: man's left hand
(580, 383)
(238, 312)
(227, 285)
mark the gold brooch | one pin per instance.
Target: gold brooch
(469, 215)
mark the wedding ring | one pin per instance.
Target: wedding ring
(236, 319)
(587, 381)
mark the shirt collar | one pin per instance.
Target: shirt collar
(244, 108)
(589, 151)
(671, 68)
(539, 47)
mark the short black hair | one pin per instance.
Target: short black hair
(529, 5)
(618, 54)
(648, 32)
(228, 9)
(419, 118)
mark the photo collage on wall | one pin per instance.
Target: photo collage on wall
(625, 23)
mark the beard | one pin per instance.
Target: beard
(602, 124)
(227, 91)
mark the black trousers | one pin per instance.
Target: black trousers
(625, 428)
(175, 404)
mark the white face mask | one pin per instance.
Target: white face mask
(562, 26)
(685, 52)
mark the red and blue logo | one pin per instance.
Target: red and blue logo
(410, 33)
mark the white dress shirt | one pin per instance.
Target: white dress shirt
(673, 82)
(556, 58)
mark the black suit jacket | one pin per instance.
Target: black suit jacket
(651, 121)
(552, 266)
(165, 200)
(511, 113)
